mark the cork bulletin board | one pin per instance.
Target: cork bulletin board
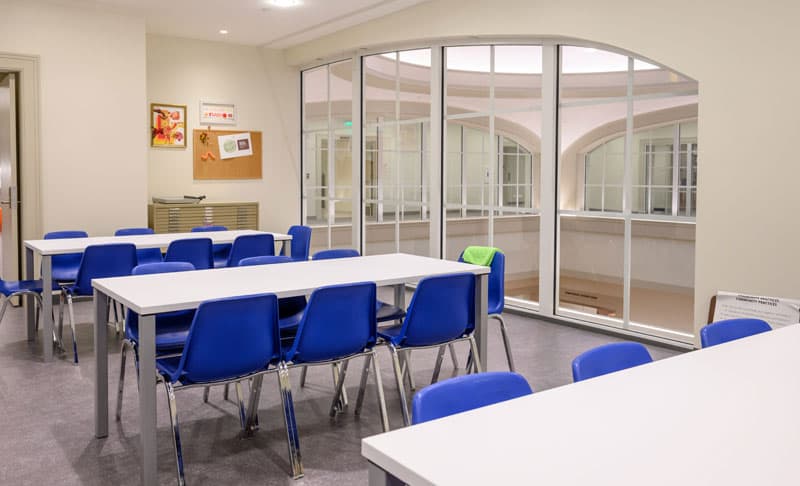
(209, 165)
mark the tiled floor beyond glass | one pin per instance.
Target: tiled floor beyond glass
(46, 413)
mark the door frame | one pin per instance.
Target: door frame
(26, 68)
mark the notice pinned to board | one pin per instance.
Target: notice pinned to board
(235, 145)
(776, 311)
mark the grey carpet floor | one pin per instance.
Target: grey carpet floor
(46, 413)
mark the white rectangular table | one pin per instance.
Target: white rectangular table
(727, 415)
(148, 295)
(47, 248)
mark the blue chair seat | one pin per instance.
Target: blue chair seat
(11, 287)
(290, 322)
(388, 312)
(169, 366)
(66, 273)
(393, 334)
(172, 329)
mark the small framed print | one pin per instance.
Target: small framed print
(167, 125)
(217, 113)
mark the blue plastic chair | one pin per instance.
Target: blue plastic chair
(301, 243)
(290, 309)
(18, 288)
(246, 246)
(467, 392)
(230, 340)
(337, 326)
(220, 250)
(496, 301)
(609, 358)
(99, 261)
(143, 255)
(172, 328)
(336, 253)
(730, 330)
(65, 267)
(442, 311)
(196, 251)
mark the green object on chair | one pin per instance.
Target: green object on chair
(479, 255)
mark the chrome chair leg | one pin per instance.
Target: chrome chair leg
(506, 341)
(303, 373)
(342, 396)
(363, 385)
(176, 434)
(292, 437)
(475, 357)
(338, 403)
(122, 352)
(453, 356)
(3, 308)
(72, 326)
(61, 299)
(205, 393)
(240, 399)
(381, 395)
(252, 404)
(438, 366)
(401, 389)
(225, 393)
(411, 384)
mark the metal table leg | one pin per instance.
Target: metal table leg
(147, 398)
(47, 307)
(482, 317)
(101, 365)
(379, 477)
(30, 303)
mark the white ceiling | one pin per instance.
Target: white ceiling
(251, 22)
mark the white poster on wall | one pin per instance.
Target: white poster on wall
(217, 113)
(236, 145)
(776, 311)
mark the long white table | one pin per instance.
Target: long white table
(148, 295)
(47, 248)
(727, 415)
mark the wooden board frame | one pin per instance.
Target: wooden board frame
(214, 167)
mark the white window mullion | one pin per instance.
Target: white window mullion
(676, 167)
(436, 158)
(492, 150)
(357, 142)
(548, 219)
(626, 203)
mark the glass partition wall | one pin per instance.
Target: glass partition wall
(444, 147)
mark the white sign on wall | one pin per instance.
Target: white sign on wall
(236, 145)
(776, 311)
(217, 113)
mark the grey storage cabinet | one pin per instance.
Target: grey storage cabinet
(181, 218)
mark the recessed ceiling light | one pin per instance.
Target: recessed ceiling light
(285, 3)
(223, 31)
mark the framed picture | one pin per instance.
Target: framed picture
(167, 125)
(217, 113)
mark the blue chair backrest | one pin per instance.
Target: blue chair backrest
(301, 242)
(466, 392)
(163, 267)
(609, 358)
(133, 231)
(497, 282)
(68, 259)
(103, 261)
(196, 251)
(132, 320)
(144, 255)
(246, 246)
(335, 253)
(197, 229)
(264, 260)
(339, 321)
(231, 337)
(442, 309)
(731, 329)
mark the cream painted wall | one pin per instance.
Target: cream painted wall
(266, 94)
(741, 52)
(92, 113)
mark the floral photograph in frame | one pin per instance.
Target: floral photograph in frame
(167, 125)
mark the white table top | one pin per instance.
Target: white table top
(726, 415)
(159, 240)
(152, 294)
